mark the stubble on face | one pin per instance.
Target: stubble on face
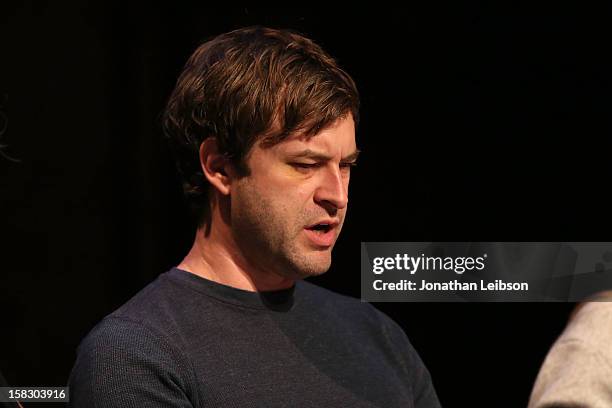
(290, 186)
(269, 231)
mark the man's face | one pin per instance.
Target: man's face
(288, 212)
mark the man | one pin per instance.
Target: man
(262, 123)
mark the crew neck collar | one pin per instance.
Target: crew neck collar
(276, 300)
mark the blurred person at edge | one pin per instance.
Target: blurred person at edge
(262, 125)
(577, 372)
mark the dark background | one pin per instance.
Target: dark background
(478, 124)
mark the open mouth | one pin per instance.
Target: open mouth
(322, 234)
(320, 228)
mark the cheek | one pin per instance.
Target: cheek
(294, 192)
(304, 192)
(285, 197)
(292, 202)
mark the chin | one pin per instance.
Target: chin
(313, 268)
(310, 274)
(304, 262)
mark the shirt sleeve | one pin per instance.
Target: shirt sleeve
(124, 364)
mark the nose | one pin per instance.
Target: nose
(332, 193)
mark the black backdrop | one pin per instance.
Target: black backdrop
(478, 124)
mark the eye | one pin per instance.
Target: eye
(305, 165)
(347, 166)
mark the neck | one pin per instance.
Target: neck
(218, 258)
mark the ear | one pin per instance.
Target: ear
(215, 166)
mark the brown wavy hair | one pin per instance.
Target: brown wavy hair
(250, 84)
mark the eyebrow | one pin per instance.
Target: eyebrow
(311, 154)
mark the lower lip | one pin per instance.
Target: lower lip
(324, 239)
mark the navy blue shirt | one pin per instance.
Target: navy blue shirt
(185, 341)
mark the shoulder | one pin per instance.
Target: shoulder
(138, 324)
(163, 307)
(579, 364)
(588, 332)
(591, 323)
(114, 337)
(131, 350)
(121, 343)
(123, 359)
(154, 300)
